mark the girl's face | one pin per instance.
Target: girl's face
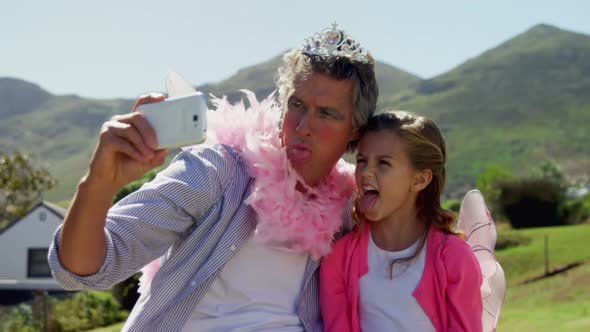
(386, 181)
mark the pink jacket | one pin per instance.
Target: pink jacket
(449, 291)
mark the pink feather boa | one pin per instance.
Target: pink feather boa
(287, 219)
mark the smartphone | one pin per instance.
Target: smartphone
(178, 121)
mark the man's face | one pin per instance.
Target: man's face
(317, 125)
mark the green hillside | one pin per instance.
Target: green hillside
(518, 104)
(20, 97)
(60, 132)
(521, 103)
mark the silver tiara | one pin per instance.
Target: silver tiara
(335, 42)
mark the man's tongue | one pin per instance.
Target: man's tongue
(367, 201)
(300, 154)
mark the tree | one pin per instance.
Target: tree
(536, 200)
(489, 183)
(22, 184)
(551, 172)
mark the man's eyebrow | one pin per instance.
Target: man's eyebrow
(332, 110)
(385, 156)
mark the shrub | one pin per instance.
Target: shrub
(532, 202)
(86, 310)
(576, 210)
(489, 183)
(536, 200)
(510, 240)
(19, 318)
(452, 205)
(126, 292)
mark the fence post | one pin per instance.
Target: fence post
(546, 254)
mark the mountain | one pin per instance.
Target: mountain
(516, 105)
(260, 78)
(20, 97)
(61, 131)
(534, 73)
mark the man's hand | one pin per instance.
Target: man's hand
(125, 151)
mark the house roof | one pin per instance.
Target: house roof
(58, 211)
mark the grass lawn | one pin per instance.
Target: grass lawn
(113, 328)
(557, 303)
(567, 244)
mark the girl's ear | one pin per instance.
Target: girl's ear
(421, 180)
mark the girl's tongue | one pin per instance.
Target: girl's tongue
(367, 201)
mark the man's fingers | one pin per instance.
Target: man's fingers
(130, 133)
(146, 131)
(153, 97)
(159, 158)
(144, 128)
(123, 146)
(162, 153)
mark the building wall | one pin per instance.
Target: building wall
(30, 232)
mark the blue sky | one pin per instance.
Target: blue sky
(105, 49)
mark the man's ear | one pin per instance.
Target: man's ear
(421, 180)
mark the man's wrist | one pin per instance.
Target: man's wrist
(98, 189)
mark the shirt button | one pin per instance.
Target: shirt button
(232, 248)
(193, 283)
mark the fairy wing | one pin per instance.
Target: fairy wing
(475, 221)
(178, 86)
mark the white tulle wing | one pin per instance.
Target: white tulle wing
(476, 222)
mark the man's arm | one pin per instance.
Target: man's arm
(143, 225)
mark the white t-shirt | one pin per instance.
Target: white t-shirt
(387, 304)
(255, 291)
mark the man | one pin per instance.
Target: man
(240, 237)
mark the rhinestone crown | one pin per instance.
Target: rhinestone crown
(336, 42)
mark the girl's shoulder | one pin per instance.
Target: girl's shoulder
(458, 257)
(456, 245)
(448, 244)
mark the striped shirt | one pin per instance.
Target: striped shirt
(193, 215)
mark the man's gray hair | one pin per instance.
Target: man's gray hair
(297, 66)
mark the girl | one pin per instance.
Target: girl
(403, 268)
